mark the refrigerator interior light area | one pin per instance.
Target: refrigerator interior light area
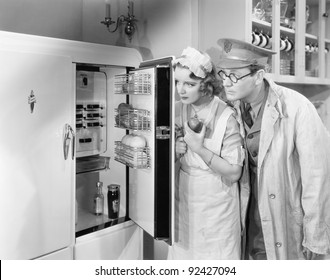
(126, 137)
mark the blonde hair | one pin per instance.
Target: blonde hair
(210, 85)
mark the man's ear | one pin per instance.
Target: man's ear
(260, 76)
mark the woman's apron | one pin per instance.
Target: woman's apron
(207, 216)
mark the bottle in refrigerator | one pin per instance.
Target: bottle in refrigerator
(98, 200)
(113, 201)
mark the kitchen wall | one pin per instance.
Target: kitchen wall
(163, 28)
(59, 19)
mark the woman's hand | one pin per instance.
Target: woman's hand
(180, 146)
(194, 140)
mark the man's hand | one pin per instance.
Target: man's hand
(309, 255)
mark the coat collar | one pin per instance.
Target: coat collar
(274, 97)
(272, 113)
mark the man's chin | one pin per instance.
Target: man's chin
(231, 98)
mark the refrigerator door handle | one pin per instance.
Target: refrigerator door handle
(163, 132)
(73, 141)
(66, 141)
(69, 136)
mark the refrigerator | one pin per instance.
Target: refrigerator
(77, 115)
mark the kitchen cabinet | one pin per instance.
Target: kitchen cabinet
(298, 30)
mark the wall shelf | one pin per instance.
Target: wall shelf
(311, 37)
(261, 23)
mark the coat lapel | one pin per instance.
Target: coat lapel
(269, 119)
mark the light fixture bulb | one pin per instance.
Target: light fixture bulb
(129, 28)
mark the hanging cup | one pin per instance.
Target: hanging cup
(289, 45)
(256, 39)
(263, 40)
(282, 44)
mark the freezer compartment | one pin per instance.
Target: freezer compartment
(91, 111)
(133, 83)
(132, 119)
(92, 164)
(138, 158)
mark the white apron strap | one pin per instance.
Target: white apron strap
(220, 128)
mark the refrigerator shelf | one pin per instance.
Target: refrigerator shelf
(88, 222)
(133, 119)
(92, 164)
(133, 83)
(137, 158)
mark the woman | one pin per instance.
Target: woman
(207, 204)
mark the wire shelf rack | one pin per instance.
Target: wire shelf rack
(133, 119)
(137, 158)
(133, 83)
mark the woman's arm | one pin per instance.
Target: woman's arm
(230, 171)
(219, 165)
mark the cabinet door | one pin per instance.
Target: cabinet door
(300, 36)
(36, 182)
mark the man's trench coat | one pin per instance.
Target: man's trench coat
(293, 176)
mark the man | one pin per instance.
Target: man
(287, 206)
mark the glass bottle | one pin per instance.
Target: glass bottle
(98, 200)
(113, 201)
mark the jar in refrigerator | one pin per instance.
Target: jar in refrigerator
(113, 201)
(98, 205)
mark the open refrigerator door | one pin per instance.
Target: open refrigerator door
(148, 146)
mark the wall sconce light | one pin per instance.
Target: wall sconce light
(129, 19)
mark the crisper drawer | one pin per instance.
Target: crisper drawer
(120, 242)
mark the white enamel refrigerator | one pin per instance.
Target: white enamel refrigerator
(36, 179)
(62, 132)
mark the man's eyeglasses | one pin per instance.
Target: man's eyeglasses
(232, 76)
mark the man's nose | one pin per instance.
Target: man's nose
(227, 82)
